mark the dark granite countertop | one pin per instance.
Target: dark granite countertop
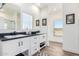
(7, 39)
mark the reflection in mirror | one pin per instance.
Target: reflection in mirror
(9, 17)
(7, 24)
(26, 21)
(10, 24)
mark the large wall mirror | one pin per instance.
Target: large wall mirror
(10, 24)
(26, 21)
(7, 24)
(9, 17)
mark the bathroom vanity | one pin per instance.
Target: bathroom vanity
(13, 45)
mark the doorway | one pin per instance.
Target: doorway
(58, 30)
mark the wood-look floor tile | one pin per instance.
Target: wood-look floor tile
(55, 49)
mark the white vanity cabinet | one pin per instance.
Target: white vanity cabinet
(19, 45)
(14, 47)
(34, 44)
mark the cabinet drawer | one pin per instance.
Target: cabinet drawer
(33, 44)
(42, 38)
(34, 50)
(34, 41)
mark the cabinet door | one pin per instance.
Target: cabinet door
(38, 42)
(24, 44)
(10, 48)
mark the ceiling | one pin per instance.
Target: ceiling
(41, 5)
(52, 7)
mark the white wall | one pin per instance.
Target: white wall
(31, 9)
(71, 36)
(51, 16)
(42, 14)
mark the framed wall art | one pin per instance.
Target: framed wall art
(37, 23)
(70, 18)
(44, 22)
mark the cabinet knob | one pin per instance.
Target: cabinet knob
(21, 43)
(18, 43)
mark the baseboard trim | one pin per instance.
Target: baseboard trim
(71, 52)
(56, 42)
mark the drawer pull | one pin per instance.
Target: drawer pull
(18, 43)
(21, 43)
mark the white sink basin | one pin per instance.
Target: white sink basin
(14, 36)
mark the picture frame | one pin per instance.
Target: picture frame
(44, 22)
(37, 22)
(70, 18)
